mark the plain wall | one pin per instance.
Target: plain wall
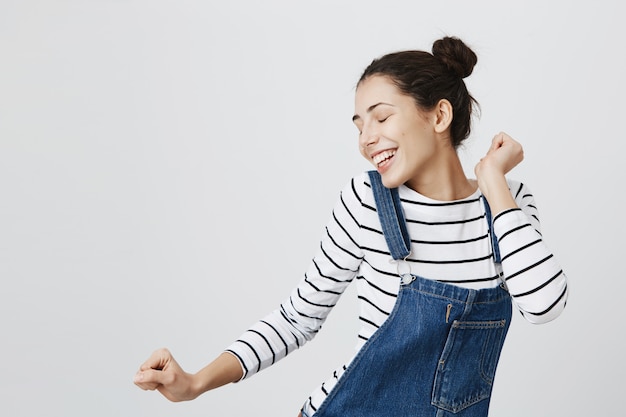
(167, 169)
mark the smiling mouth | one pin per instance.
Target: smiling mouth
(382, 157)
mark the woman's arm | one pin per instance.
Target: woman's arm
(296, 321)
(532, 273)
(301, 315)
(534, 278)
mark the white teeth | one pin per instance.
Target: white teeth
(383, 156)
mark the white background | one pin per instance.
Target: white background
(167, 168)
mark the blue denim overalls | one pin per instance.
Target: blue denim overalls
(437, 352)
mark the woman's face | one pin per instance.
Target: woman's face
(394, 135)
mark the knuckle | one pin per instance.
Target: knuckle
(163, 352)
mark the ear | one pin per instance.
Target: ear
(443, 115)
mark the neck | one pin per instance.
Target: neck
(443, 180)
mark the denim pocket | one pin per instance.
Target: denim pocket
(467, 366)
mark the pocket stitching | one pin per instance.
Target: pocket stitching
(492, 325)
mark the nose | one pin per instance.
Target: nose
(370, 141)
(368, 138)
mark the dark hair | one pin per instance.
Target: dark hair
(429, 78)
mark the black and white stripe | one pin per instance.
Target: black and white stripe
(449, 242)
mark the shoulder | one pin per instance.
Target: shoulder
(521, 192)
(358, 188)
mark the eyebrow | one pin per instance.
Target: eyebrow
(369, 109)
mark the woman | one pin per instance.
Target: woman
(471, 247)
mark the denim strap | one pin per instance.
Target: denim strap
(494, 239)
(391, 217)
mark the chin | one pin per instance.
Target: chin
(391, 182)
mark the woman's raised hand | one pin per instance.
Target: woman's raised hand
(503, 155)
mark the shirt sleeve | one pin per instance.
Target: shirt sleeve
(533, 276)
(300, 317)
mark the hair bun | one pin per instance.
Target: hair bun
(455, 55)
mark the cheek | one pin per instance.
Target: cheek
(362, 151)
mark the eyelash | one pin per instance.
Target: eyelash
(379, 121)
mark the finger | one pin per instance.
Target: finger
(155, 378)
(158, 360)
(145, 383)
(497, 141)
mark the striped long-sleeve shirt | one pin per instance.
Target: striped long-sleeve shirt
(449, 243)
